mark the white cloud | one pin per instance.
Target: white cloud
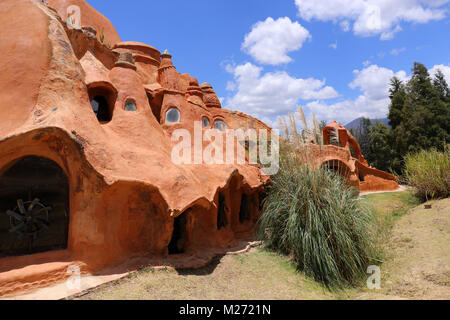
(445, 70)
(389, 35)
(397, 51)
(271, 40)
(373, 17)
(334, 45)
(231, 86)
(373, 82)
(273, 93)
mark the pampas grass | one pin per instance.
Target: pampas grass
(315, 217)
(429, 172)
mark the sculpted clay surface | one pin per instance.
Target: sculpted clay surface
(86, 175)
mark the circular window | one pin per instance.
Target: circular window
(130, 106)
(220, 125)
(172, 115)
(205, 122)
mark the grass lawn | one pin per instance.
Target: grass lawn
(391, 206)
(263, 275)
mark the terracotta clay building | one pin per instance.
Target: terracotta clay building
(86, 175)
(344, 156)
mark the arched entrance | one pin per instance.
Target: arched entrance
(244, 210)
(179, 240)
(34, 207)
(337, 166)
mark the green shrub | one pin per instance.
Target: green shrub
(429, 172)
(317, 219)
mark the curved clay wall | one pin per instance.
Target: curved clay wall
(128, 199)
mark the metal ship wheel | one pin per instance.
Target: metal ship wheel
(28, 219)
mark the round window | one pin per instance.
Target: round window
(220, 125)
(206, 123)
(130, 106)
(172, 115)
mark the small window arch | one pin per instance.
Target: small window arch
(102, 96)
(130, 105)
(220, 125)
(206, 123)
(173, 115)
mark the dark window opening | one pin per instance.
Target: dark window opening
(101, 108)
(220, 125)
(222, 220)
(103, 97)
(361, 177)
(34, 207)
(244, 211)
(179, 237)
(155, 105)
(205, 122)
(130, 106)
(173, 115)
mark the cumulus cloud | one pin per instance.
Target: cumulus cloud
(445, 70)
(267, 95)
(270, 94)
(373, 82)
(270, 41)
(373, 17)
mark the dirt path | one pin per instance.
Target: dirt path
(401, 188)
(418, 261)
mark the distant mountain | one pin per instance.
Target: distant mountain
(357, 122)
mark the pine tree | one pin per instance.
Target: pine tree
(419, 114)
(441, 86)
(397, 96)
(381, 151)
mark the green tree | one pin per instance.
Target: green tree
(419, 114)
(397, 96)
(441, 86)
(381, 151)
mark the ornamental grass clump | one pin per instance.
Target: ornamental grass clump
(318, 220)
(428, 171)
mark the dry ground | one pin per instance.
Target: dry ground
(417, 262)
(416, 265)
(259, 275)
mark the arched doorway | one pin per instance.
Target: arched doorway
(244, 210)
(337, 166)
(179, 240)
(34, 207)
(222, 220)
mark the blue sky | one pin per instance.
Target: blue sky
(335, 58)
